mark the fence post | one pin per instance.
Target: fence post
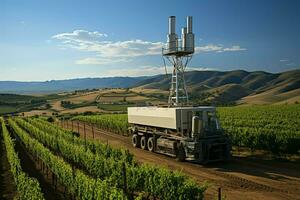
(93, 131)
(53, 178)
(219, 194)
(72, 125)
(78, 127)
(84, 134)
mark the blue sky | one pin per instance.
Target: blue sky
(46, 40)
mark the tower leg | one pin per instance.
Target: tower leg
(178, 91)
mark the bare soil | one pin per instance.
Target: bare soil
(81, 110)
(56, 105)
(241, 178)
(38, 112)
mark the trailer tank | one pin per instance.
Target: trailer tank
(187, 133)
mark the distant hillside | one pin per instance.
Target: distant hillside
(11, 103)
(236, 86)
(67, 85)
(205, 87)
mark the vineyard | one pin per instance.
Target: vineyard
(116, 123)
(27, 187)
(272, 128)
(88, 169)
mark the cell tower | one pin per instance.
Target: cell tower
(179, 52)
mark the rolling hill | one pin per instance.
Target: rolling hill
(217, 87)
(237, 86)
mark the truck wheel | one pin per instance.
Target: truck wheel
(135, 140)
(151, 144)
(144, 142)
(180, 155)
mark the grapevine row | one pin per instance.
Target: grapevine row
(92, 145)
(76, 181)
(273, 128)
(112, 122)
(27, 187)
(140, 178)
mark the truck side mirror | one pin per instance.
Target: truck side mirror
(197, 126)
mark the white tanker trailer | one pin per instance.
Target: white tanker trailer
(188, 133)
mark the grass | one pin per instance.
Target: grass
(19, 107)
(70, 105)
(13, 103)
(7, 109)
(114, 107)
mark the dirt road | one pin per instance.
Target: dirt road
(241, 178)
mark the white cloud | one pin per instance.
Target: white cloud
(129, 48)
(218, 48)
(283, 60)
(234, 48)
(107, 51)
(291, 64)
(80, 36)
(287, 62)
(209, 48)
(93, 42)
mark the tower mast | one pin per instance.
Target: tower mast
(179, 52)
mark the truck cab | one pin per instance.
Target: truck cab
(187, 133)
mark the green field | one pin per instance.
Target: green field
(273, 128)
(112, 122)
(13, 103)
(114, 107)
(7, 109)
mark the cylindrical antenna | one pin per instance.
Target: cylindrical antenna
(183, 30)
(183, 38)
(172, 25)
(189, 24)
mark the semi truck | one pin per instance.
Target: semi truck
(187, 133)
